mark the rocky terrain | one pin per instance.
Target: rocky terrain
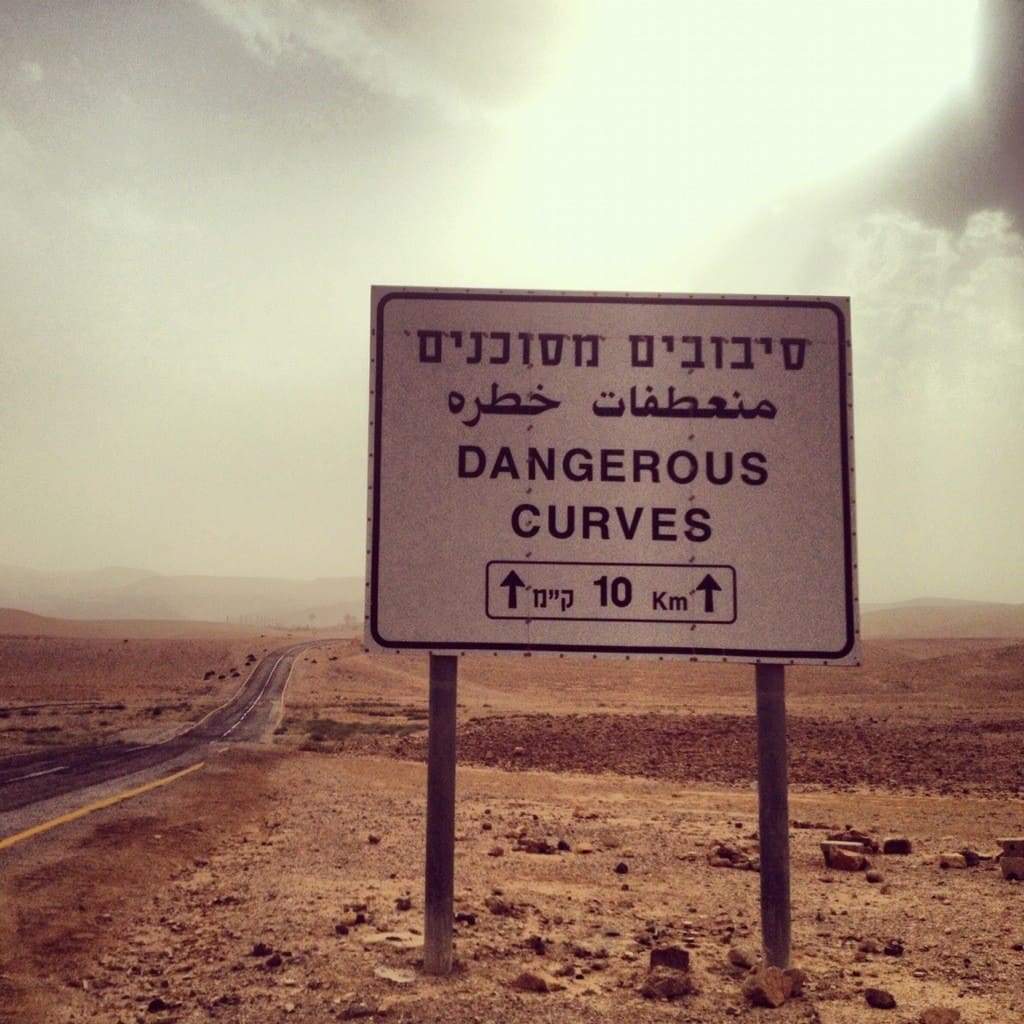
(606, 853)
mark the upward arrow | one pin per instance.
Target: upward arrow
(513, 582)
(709, 585)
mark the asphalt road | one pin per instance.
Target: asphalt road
(29, 778)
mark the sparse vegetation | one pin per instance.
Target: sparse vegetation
(386, 709)
(331, 734)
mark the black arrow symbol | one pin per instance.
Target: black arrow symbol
(709, 586)
(513, 582)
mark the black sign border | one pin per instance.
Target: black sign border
(698, 653)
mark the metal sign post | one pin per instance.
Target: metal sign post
(773, 813)
(440, 856)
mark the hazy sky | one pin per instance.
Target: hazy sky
(195, 198)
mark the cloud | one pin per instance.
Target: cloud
(121, 212)
(15, 150)
(969, 155)
(465, 60)
(32, 71)
(928, 295)
(938, 315)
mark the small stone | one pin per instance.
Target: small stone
(742, 956)
(852, 835)
(797, 979)
(396, 975)
(405, 941)
(844, 856)
(537, 981)
(157, 1005)
(674, 957)
(666, 983)
(874, 876)
(536, 846)
(497, 906)
(939, 1015)
(972, 857)
(1012, 867)
(879, 999)
(893, 948)
(496, 851)
(621, 868)
(956, 861)
(766, 986)
(372, 839)
(403, 903)
(897, 846)
(357, 1011)
(868, 946)
(584, 848)
(729, 855)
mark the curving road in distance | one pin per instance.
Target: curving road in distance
(28, 778)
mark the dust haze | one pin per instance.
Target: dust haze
(196, 198)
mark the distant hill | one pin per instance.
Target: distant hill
(16, 623)
(941, 618)
(123, 593)
(138, 594)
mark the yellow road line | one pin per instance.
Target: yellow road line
(108, 802)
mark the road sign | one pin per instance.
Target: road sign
(651, 475)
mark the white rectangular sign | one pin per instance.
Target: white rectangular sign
(655, 475)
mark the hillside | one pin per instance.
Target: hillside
(15, 623)
(131, 594)
(137, 594)
(942, 619)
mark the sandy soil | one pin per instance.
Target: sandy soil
(284, 882)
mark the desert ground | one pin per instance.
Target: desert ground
(598, 802)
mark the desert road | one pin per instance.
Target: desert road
(26, 779)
